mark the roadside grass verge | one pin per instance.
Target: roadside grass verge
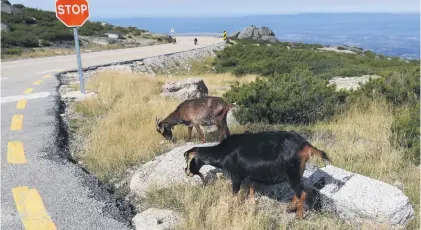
(122, 134)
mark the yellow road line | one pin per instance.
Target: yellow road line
(28, 91)
(21, 104)
(17, 122)
(38, 82)
(15, 153)
(31, 209)
(47, 76)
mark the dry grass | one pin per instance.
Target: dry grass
(214, 207)
(124, 115)
(123, 134)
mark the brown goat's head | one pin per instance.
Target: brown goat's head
(164, 128)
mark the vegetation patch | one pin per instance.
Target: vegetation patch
(29, 29)
(247, 58)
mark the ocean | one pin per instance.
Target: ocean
(384, 33)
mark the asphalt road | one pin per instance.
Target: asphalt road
(40, 190)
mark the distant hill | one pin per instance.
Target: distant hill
(24, 28)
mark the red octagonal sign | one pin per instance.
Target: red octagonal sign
(73, 13)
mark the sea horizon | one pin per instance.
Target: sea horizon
(391, 34)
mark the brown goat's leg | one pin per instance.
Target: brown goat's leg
(190, 131)
(220, 129)
(201, 134)
(225, 126)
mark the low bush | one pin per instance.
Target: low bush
(248, 57)
(19, 38)
(298, 97)
(12, 51)
(406, 127)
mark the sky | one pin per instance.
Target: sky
(197, 8)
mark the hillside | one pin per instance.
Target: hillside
(34, 32)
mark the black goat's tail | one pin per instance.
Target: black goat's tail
(319, 153)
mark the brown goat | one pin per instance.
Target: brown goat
(204, 111)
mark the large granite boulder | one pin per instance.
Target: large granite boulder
(352, 197)
(167, 170)
(266, 38)
(5, 28)
(246, 33)
(259, 34)
(187, 89)
(6, 7)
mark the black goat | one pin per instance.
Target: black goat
(266, 157)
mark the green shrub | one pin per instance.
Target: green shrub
(247, 58)
(342, 48)
(54, 36)
(399, 87)
(19, 6)
(20, 38)
(45, 43)
(297, 97)
(12, 51)
(407, 130)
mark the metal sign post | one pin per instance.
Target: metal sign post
(73, 14)
(79, 60)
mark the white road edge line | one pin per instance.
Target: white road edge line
(27, 96)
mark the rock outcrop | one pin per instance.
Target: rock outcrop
(167, 170)
(183, 90)
(156, 219)
(5, 27)
(353, 197)
(255, 33)
(6, 7)
(349, 83)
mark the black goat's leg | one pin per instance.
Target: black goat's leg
(236, 184)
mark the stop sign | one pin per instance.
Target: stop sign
(73, 13)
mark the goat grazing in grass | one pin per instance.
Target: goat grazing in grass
(266, 157)
(205, 111)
